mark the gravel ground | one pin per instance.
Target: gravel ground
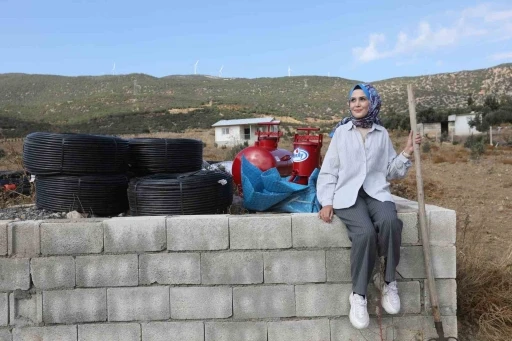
(29, 212)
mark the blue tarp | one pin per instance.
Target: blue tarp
(268, 191)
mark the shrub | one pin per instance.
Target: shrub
(476, 144)
(2, 153)
(425, 147)
(236, 149)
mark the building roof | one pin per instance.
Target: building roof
(244, 121)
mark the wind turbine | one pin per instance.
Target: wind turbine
(195, 67)
(220, 71)
(114, 69)
(289, 71)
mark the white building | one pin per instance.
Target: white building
(234, 132)
(461, 126)
(456, 125)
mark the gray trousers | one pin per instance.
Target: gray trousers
(373, 227)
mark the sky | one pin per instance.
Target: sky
(359, 40)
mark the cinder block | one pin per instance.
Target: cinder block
(442, 226)
(342, 330)
(310, 231)
(422, 327)
(170, 268)
(25, 308)
(109, 331)
(4, 309)
(135, 234)
(322, 299)
(71, 238)
(410, 231)
(55, 333)
(338, 266)
(208, 232)
(15, 274)
(260, 232)
(412, 264)
(5, 334)
(410, 298)
(201, 302)
(138, 304)
(3, 237)
(107, 271)
(232, 268)
(173, 331)
(263, 301)
(230, 331)
(24, 239)
(306, 330)
(72, 306)
(446, 294)
(294, 267)
(53, 272)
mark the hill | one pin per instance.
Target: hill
(141, 103)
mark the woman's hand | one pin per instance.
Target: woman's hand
(326, 213)
(409, 148)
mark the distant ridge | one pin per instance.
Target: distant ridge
(76, 102)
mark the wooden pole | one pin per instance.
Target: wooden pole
(434, 301)
(490, 135)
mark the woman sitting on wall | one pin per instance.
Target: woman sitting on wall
(353, 185)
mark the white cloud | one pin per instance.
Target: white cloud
(501, 56)
(480, 21)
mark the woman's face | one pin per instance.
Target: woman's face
(359, 104)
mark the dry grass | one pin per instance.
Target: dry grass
(13, 160)
(438, 159)
(484, 292)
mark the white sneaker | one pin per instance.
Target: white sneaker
(390, 300)
(358, 313)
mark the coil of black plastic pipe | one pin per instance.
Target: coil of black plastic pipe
(101, 195)
(159, 155)
(201, 192)
(74, 154)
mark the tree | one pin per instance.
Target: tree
(491, 102)
(430, 115)
(470, 101)
(493, 113)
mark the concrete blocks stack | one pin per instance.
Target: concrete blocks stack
(268, 277)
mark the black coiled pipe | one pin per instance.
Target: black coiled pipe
(74, 154)
(158, 155)
(101, 195)
(201, 192)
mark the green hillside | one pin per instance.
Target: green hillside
(140, 103)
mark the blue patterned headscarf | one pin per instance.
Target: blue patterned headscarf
(373, 110)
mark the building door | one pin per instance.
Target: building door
(247, 133)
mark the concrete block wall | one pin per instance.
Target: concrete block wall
(268, 277)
